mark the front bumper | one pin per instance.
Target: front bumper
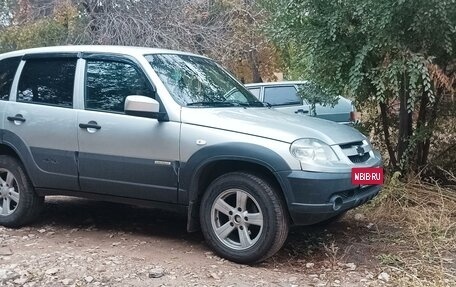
(313, 197)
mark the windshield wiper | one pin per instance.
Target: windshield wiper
(212, 104)
(225, 104)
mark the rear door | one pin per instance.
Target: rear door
(40, 122)
(119, 154)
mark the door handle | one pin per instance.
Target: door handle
(301, 111)
(17, 119)
(91, 126)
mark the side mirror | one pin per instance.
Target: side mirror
(142, 106)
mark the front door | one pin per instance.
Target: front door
(119, 154)
(286, 100)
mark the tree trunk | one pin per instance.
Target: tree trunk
(405, 124)
(386, 134)
(421, 124)
(256, 76)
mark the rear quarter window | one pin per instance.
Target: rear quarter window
(255, 92)
(8, 68)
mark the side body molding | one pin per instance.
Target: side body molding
(44, 172)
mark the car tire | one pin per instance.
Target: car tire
(243, 218)
(19, 204)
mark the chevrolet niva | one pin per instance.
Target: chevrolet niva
(170, 130)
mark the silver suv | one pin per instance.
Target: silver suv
(169, 130)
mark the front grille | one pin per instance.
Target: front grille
(349, 145)
(357, 152)
(359, 159)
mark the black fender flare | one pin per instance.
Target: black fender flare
(191, 171)
(24, 154)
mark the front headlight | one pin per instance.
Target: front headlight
(313, 151)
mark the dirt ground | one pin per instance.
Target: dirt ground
(88, 243)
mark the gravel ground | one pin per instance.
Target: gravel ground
(87, 243)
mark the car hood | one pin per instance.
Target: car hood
(269, 123)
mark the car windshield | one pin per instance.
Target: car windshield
(199, 82)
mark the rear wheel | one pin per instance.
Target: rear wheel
(243, 218)
(19, 204)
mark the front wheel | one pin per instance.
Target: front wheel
(243, 218)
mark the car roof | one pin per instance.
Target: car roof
(282, 83)
(126, 50)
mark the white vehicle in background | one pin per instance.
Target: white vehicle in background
(284, 97)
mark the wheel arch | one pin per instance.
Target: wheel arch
(13, 146)
(210, 163)
(6, 149)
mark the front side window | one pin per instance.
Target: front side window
(199, 82)
(47, 82)
(8, 69)
(281, 96)
(108, 83)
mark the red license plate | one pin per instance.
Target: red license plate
(368, 175)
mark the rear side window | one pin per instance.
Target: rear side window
(109, 83)
(47, 82)
(279, 96)
(8, 69)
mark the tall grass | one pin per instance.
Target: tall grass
(425, 215)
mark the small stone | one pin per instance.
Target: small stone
(310, 265)
(385, 277)
(337, 281)
(292, 279)
(6, 275)
(156, 272)
(42, 230)
(370, 225)
(351, 266)
(66, 281)
(5, 251)
(21, 281)
(3, 273)
(88, 279)
(100, 269)
(116, 244)
(52, 271)
(359, 217)
(214, 275)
